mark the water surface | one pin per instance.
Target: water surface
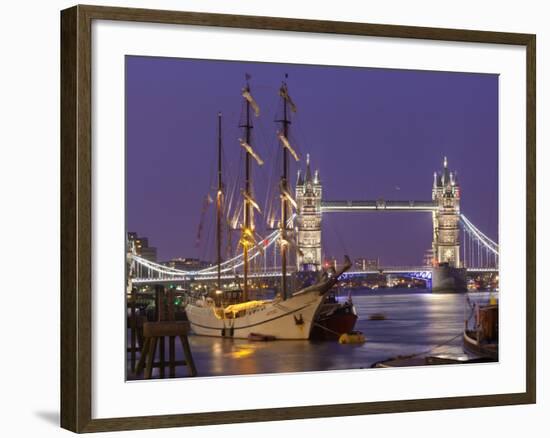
(417, 322)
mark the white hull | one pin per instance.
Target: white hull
(289, 319)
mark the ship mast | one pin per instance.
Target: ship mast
(284, 187)
(219, 201)
(248, 128)
(247, 233)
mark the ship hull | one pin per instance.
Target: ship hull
(289, 319)
(330, 326)
(473, 346)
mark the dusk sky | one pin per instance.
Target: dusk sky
(372, 133)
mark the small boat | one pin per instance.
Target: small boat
(378, 317)
(481, 339)
(334, 319)
(420, 360)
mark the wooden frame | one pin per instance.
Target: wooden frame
(76, 173)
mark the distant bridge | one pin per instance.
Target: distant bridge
(420, 272)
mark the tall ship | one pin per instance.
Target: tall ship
(232, 313)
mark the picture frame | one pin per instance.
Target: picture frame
(76, 217)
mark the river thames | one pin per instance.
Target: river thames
(417, 322)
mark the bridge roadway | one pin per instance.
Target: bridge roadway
(377, 205)
(422, 271)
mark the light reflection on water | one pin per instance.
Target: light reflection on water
(416, 321)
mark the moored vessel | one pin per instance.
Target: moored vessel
(334, 318)
(278, 318)
(481, 337)
(289, 315)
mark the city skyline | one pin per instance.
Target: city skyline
(372, 133)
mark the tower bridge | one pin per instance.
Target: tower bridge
(457, 244)
(444, 208)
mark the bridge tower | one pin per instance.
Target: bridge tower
(446, 195)
(309, 193)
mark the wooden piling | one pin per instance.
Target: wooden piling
(154, 334)
(172, 355)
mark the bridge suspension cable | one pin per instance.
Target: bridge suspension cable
(479, 250)
(487, 241)
(227, 265)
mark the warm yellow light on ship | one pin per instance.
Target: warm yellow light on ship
(247, 237)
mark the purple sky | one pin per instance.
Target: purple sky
(372, 133)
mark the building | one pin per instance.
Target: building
(308, 224)
(446, 241)
(364, 264)
(140, 245)
(429, 257)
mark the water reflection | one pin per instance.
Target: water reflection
(415, 321)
